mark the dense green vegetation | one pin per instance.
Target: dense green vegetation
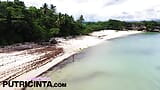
(123, 25)
(19, 23)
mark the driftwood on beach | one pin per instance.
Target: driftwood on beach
(18, 47)
(47, 53)
(26, 46)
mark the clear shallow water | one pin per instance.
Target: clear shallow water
(128, 63)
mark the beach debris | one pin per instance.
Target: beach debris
(15, 64)
(53, 41)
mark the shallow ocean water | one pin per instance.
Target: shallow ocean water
(127, 63)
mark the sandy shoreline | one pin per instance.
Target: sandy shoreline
(73, 46)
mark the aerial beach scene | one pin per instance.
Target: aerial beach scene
(79, 45)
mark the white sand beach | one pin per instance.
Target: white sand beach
(70, 46)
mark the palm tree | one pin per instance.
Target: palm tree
(81, 19)
(53, 8)
(60, 20)
(45, 7)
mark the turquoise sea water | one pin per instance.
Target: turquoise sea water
(128, 63)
